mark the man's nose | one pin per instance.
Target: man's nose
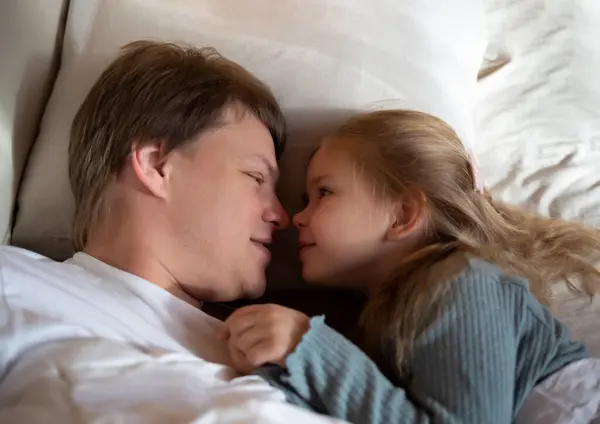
(277, 215)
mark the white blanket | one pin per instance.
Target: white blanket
(100, 381)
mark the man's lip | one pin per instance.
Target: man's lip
(304, 245)
(264, 248)
(263, 241)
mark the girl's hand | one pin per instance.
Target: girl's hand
(261, 334)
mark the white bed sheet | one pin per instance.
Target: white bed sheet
(538, 120)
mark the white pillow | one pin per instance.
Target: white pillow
(324, 60)
(538, 118)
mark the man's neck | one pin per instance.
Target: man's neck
(122, 252)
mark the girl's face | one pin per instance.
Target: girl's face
(344, 229)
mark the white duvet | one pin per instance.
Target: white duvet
(101, 381)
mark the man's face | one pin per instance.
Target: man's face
(222, 210)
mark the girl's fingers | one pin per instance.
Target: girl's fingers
(249, 338)
(247, 311)
(238, 325)
(240, 363)
(261, 353)
(246, 318)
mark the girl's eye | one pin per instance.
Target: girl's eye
(321, 192)
(324, 191)
(259, 178)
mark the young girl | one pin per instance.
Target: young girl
(456, 284)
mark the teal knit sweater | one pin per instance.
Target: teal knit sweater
(476, 364)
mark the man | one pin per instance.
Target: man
(172, 163)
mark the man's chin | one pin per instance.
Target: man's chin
(254, 291)
(247, 288)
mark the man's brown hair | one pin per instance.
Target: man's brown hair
(155, 92)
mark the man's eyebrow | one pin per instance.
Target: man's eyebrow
(273, 171)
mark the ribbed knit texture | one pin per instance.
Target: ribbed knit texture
(476, 364)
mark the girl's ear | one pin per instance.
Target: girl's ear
(409, 213)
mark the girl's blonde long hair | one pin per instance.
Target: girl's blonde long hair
(406, 152)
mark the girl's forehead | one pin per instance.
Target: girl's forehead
(329, 156)
(331, 163)
(324, 160)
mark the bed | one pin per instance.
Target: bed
(536, 132)
(531, 119)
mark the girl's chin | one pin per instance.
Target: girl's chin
(335, 281)
(314, 279)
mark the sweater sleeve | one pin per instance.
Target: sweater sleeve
(463, 366)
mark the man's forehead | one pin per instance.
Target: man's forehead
(242, 135)
(233, 113)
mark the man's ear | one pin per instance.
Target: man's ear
(147, 162)
(409, 213)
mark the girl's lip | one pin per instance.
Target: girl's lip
(304, 247)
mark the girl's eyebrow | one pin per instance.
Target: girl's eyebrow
(317, 180)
